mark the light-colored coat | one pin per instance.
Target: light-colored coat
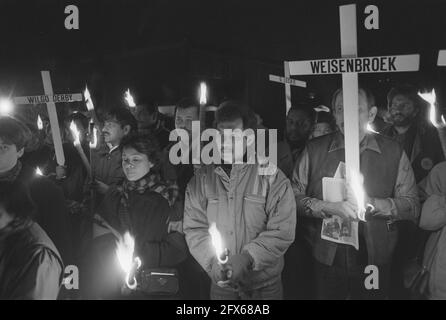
(254, 213)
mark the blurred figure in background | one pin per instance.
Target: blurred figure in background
(30, 265)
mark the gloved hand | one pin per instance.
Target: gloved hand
(239, 265)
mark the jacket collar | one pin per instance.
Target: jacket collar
(369, 142)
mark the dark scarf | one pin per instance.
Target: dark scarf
(12, 174)
(150, 181)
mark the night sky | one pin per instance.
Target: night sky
(163, 48)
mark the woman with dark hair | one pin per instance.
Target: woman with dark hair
(30, 265)
(140, 206)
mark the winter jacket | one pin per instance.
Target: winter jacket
(30, 265)
(254, 214)
(149, 213)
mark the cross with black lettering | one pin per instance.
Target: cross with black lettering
(50, 99)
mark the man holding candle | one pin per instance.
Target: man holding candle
(421, 143)
(254, 213)
(119, 123)
(389, 186)
(411, 129)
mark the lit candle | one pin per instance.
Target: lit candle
(358, 190)
(129, 264)
(77, 144)
(431, 98)
(217, 242)
(88, 101)
(39, 172)
(39, 123)
(129, 99)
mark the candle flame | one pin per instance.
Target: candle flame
(217, 243)
(431, 98)
(357, 181)
(129, 99)
(370, 128)
(203, 93)
(124, 252)
(88, 101)
(76, 134)
(39, 172)
(39, 123)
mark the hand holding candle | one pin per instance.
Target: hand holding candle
(357, 188)
(222, 273)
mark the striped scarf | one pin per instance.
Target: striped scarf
(151, 182)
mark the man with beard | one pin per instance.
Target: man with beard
(422, 145)
(119, 122)
(299, 123)
(255, 214)
(419, 140)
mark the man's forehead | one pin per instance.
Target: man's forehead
(401, 98)
(362, 97)
(297, 114)
(189, 111)
(233, 124)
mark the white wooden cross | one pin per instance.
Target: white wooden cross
(441, 58)
(349, 66)
(288, 83)
(51, 99)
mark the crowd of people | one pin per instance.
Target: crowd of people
(75, 215)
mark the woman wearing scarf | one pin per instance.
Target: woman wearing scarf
(142, 206)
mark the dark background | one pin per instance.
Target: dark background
(162, 49)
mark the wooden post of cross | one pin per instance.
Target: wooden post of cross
(349, 66)
(288, 81)
(50, 99)
(441, 58)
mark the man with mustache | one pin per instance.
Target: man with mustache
(422, 145)
(411, 129)
(118, 123)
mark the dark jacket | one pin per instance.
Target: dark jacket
(380, 170)
(149, 214)
(426, 150)
(108, 165)
(30, 265)
(51, 212)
